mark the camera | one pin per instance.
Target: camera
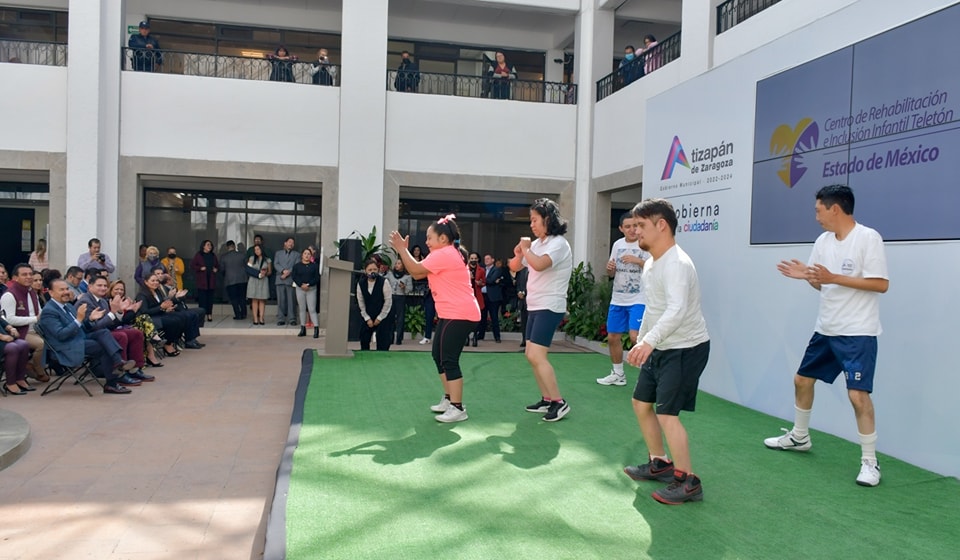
(101, 258)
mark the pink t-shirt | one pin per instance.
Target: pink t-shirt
(449, 281)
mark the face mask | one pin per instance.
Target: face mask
(629, 56)
(171, 255)
(372, 275)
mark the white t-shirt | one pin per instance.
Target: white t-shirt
(547, 289)
(628, 281)
(847, 311)
(673, 318)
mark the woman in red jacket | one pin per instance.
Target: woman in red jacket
(205, 266)
(479, 276)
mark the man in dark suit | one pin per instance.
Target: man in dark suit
(492, 298)
(130, 340)
(64, 334)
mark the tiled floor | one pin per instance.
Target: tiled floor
(182, 468)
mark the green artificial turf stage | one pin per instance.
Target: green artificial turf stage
(376, 477)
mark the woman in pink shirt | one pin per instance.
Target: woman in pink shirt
(448, 277)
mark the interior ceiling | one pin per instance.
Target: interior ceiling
(465, 195)
(229, 185)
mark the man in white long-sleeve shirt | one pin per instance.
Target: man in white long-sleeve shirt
(672, 353)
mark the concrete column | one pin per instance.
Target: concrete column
(699, 27)
(593, 45)
(93, 126)
(553, 71)
(363, 110)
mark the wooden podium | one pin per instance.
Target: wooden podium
(339, 275)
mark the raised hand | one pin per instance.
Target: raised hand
(793, 269)
(399, 242)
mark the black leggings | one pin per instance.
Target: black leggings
(448, 344)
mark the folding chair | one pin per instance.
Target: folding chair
(60, 373)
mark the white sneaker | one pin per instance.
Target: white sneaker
(424, 340)
(789, 441)
(441, 406)
(869, 473)
(452, 414)
(613, 379)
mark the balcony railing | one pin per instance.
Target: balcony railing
(33, 52)
(732, 12)
(482, 86)
(648, 61)
(224, 66)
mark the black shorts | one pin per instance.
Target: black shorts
(669, 378)
(448, 342)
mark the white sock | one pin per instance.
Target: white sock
(801, 422)
(868, 446)
(663, 458)
(618, 368)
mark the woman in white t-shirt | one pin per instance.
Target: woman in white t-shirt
(549, 262)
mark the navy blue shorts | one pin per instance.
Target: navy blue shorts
(829, 356)
(541, 325)
(622, 319)
(669, 379)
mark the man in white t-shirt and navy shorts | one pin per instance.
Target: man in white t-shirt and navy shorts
(627, 302)
(672, 352)
(848, 266)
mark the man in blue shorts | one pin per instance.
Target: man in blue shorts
(627, 302)
(848, 266)
(672, 352)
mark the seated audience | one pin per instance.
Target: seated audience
(21, 307)
(193, 315)
(140, 321)
(39, 289)
(130, 340)
(16, 353)
(4, 279)
(63, 328)
(74, 279)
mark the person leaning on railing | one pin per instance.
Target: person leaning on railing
(630, 69)
(322, 71)
(651, 61)
(408, 74)
(500, 75)
(146, 50)
(281, 62)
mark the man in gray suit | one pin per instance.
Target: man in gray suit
(234, 267)
(283, 262)
(63, 331)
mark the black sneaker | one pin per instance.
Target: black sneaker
(656, 469)
(679, 491)
(556, 411)
(540, 406)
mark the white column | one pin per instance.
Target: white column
(593, 45)
(363, 111)
(93, 125)
(699, 27)
(554, 70)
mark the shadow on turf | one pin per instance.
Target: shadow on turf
(427, 437)
(528, 447)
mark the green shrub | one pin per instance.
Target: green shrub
(415, 320)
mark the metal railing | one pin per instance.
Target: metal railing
(732, 12)
(483, 87)
(225, 66)
(33, 52)
(648, 61)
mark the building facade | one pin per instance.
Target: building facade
(215, 144)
